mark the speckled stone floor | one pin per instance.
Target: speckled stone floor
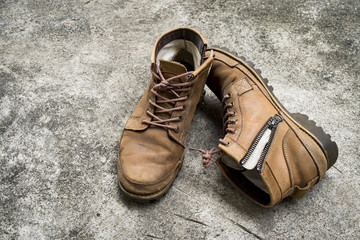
(72, 71)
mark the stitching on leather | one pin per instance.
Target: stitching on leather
(155, 193)
(234, 81)
(186, 117)
(281, 193)
(182, 137)
(288, 192)
(286, 156)
(143, 195)
(147, 102)
(186, 132)
(237, 67)
(292, 189)
(134, 182)
(259, 86)
(312, 155)
(268, 156)
(225, 62)
(241, 118)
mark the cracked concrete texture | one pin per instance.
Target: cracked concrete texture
(72, 71)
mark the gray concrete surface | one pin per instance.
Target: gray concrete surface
(72, 71)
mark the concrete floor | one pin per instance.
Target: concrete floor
(72, 71)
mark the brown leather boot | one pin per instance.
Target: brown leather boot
(267, 153)
(152, 145)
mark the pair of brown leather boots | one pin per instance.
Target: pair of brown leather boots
(267, 153)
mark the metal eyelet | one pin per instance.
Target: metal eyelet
(177, 129)
(180, 118)
(235, 113)
(232, 104)
(230, 95)
(234, 131)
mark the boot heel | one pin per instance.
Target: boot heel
(328, 146)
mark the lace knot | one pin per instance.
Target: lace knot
(206, 155)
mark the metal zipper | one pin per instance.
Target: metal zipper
(270, 124)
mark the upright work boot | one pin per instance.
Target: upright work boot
(267, 153)
(152, 145)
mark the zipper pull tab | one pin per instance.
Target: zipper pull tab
(273, 122)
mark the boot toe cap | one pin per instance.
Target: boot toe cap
(146, 173)
(143, 190)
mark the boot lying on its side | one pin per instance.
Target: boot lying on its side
(267, 153)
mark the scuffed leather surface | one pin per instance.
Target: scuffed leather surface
(150, 157)
(139, 114)
(294, 161)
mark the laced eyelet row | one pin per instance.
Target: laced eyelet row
(226, 120)
(169, 85)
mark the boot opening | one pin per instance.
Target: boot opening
(182, 51)
(247, 181)
(183, 45)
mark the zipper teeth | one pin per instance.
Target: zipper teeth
(255, 142)
(270, 124)
(264, 152)
(278, 118)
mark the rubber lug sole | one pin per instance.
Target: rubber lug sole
(325, 139)
(328, 146)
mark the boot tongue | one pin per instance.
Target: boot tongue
(171, 69)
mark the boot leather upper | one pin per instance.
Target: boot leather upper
(150, 156)
(294, 162)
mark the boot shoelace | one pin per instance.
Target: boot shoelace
(207, 154)
(175, 88)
